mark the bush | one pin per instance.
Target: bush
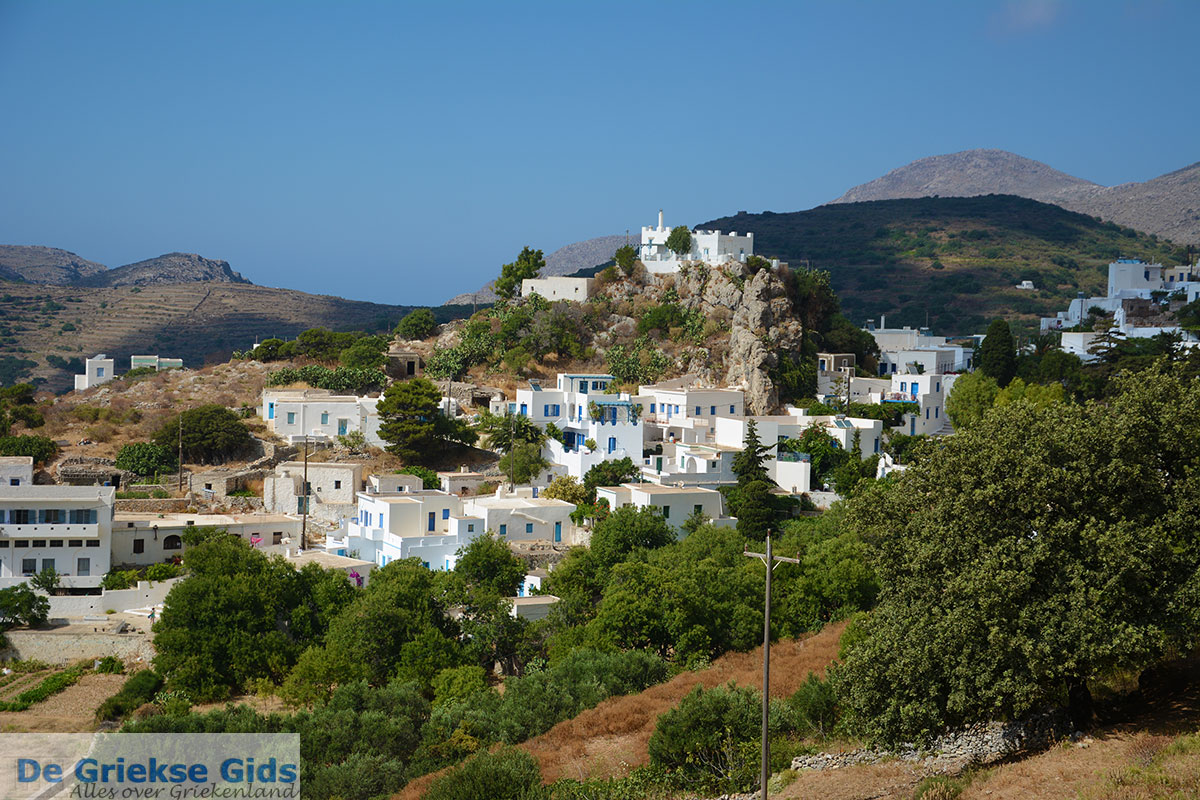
(429, 478)
(211, 433)
(344, 380)
(140, 688)
(162, 572)
(20, 605)
(40, 448)
(705, 738)
(815, 706)
(118, 579)
(110, 665)
(418, 324)
(508, 774)
(146, 458)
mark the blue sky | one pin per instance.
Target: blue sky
(401, 152)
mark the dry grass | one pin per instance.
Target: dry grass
(612, 737)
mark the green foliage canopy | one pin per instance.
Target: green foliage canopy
(529, 264)
(412, 423)
(211, 434)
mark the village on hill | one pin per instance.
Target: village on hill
(556, 493)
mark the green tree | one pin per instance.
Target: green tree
(748, 465)
(756, 509)
(529, 264)
(365, 353)
(40, 448)
(211, 434)
(507, 774)
(1038, 573)
(429, 478)
(523, 463)
(17, 405)
(20, 605)
(609, 473)
(567, 488)
(488, 562)
(412, 423)
(628, 529)
(626, 257)
(503, 430)
(1018, 391)
(971, 397)
(418, 324)
(46, 581)
(146, 458)
(998, 353)
(679, 241)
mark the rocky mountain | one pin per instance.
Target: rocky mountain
(169, 268)
(563, 261)
(48, 265)
(1167, 206)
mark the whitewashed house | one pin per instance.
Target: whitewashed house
(427, 525)
(140, 538)
(97, 370)
(584, 409)
(559, 288)
(928, 391)
(331, 492)
(16, 471)
(67, 528)
(675, 503)
(709, 247)
(910, 350)
(675, 411)
(320, 416)
(521, 517)
(1128, 279)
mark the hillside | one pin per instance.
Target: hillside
(199, 322)
(563, 261)
(169, 268)
(44, 265)
(952, 261)
(1168, 205)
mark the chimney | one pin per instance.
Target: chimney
(660, 225)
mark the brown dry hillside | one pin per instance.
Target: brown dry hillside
(607, 740)
(197, 322)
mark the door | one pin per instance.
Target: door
(83, 567)
(270, 411)
(342, 425)
(558, 531)
(612, 444)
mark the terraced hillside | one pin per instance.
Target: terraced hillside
(43, 328)
(951, 261)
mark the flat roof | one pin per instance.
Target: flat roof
(21, 460)
(329, 560)
(59, 493)
(489, 501)
(658, 488)
(534, 600)
(176, 518)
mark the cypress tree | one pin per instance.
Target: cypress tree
(997, 354)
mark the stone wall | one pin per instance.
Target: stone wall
(170, 505)
(982, 743)
(68, 647)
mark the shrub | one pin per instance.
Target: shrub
(110, 665)
(418, 324)
(162, 572)
(210, 433)
(429, 478)
(40, 448)
(815, 706)
(140, 688)
(146, 458)
(117, 579)
(508, 774)
(705, 730)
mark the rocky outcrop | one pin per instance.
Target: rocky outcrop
(48, 265)
(169, 268)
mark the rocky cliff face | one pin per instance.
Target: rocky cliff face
(169, 268)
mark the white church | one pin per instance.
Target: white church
(710, 247)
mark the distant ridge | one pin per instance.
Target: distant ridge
(1168, 205)
(564, 261)
(48, 265)
(169, 268)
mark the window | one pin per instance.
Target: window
(291, 418)
(172, 542)
(731, 411)
(935, 412)
(546, 410)
(3, 543)
(876, 444)
(697, 509)
(652, 408)
(14, 481)
(100, 370)
(277, 537)
(139, 545)
(83, 566)
(48, 563)
(503, 530)
(939, 386)
(927, 413)
(93, 542)
(666, 512)
(337, 484)
(51, 516)
(21, 543)
(1, 515)
(432, 520)
(39, 542)
(712, 411)
(75, 543)
(445, 513)
(470, 527)
(28, 566)
(524, 410)
(529, 527)
(324, 417)
(903, 386)
(56, 542)
(697, 411)
(512, 408)
(20, 516)
(82, 516)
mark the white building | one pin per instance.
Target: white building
(710, 247)
(157, 363)
(674, 411)
(793, 471)
(583, 409)
(910, 350)
(520, 517)
(332, 489)
(1078, 343)
(554, 289)
(97, 370)
(140, 539)
(675, 503)
(16, 471)
(68, 528)
(1129, 278)
(428, 525)
(928, 391)
(319, 415)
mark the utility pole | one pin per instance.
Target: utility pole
(512, 459)
(304, 488)
(181, 451)
(770, 561)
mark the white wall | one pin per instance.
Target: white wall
(557, 289)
